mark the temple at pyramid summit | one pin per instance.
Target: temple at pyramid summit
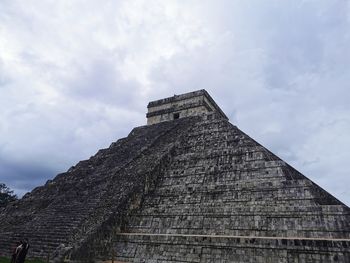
(187, 187)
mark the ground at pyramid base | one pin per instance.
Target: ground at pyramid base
(187, 187)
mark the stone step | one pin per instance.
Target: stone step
(207, 248)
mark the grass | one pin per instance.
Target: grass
(8, 260)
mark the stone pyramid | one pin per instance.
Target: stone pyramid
(187, 187)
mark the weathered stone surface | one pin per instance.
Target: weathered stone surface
(223, 249)
(196, 189)
(179, 106)
(221, 182)
(88, 202)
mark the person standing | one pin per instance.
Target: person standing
(15, 250)
(22, 252)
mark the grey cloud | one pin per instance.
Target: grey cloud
(279, 76)
(280, 70)
(24, 176)
(99, 80)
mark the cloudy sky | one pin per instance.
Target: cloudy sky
(77, 75)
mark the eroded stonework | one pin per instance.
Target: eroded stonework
(225, 198)
(193, 189)
(194, 103)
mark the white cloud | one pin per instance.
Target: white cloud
(77, 75)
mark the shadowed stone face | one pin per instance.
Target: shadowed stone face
(191, 189)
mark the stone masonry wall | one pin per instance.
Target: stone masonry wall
(78, 205)
(175, 249)
(221, 182)
(185, 105)
(191, 190)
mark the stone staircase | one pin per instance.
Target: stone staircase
(195, 189)
(74, 208)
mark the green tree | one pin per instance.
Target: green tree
(6, 195)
